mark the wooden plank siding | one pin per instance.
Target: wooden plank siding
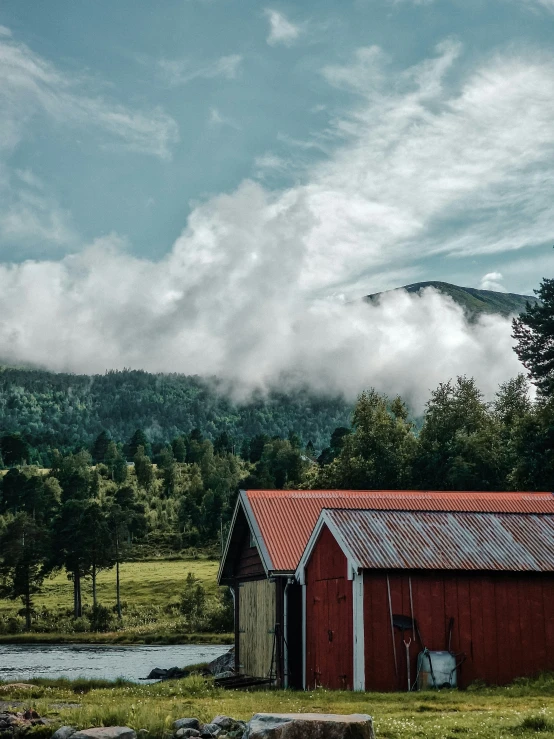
(329, 639)
(503, 624)
(249, 563)
(256, 610)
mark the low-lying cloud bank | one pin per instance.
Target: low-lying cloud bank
(243, 320)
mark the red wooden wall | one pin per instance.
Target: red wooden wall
(329, 638)
(504, 623)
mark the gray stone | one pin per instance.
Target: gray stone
(309, 726)
(184, 733)
(225, 663)
(105, 732)
(210, 730)
(228, 724)
(221, 675)
(186, 723)
(64, 732)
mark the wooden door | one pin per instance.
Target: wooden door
(332, 634)
(256, 628)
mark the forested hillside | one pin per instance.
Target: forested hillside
(67, 411)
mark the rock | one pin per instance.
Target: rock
(221, 675)
(64, 732)
(172, 673)
(309, 726)
(19, 722)
(225, 663)
(183, 733)
(228, 724)
(105, 732)
(209, 730)
(186, 723)
(157, 674)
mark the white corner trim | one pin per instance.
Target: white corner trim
(304, 648)
(358, 630)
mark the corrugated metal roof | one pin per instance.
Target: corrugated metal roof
(445, 541)
(286, 518)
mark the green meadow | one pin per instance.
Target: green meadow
(150, 593)
(521, 710)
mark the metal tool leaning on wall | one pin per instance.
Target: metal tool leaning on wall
(435, 669)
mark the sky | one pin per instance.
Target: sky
(208, 186)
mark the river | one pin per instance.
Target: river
(23, 662)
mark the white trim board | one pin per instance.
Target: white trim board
(358, 630)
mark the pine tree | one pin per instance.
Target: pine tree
(534, 332)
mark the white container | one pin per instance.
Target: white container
(436, 670)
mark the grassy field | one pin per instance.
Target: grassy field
(521, 710)
(149, 593)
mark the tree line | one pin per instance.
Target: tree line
(67, 412)
(90, 509)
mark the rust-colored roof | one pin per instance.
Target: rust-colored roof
(444, 541)
(286, 518)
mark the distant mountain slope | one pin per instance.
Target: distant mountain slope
(473, 301)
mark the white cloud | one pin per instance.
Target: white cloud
(493, 281)
(29, 85)
(257, 287)
(5, 31)
(238, 313)
(281, 30)
(181, 71)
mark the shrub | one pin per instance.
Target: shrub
(81, 624)
(193, 600)
(100, 618)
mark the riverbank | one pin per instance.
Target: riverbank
(151, 593)
(124, 637)
(519, 710)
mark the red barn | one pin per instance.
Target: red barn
(380, 586)
(269, 532)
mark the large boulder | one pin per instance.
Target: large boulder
(186, 733)
(105, 732)
(309, 726)
(225, 663)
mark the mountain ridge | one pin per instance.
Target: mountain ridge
(473, 300)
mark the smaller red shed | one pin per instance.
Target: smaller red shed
(380, 586)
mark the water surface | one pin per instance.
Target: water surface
(26, 661)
